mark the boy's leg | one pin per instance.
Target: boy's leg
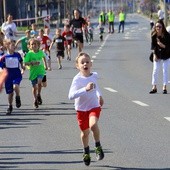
(10, 101)
(17, 97)
(85, 143)
(34, 92)
(94, 128)
(59, 62)
(93, 123)
(39, 91)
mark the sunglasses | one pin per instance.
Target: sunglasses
(158, 26)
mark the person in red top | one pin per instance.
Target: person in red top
(44, 41)
(68, 34)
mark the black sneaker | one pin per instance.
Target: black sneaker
(9, 110)
(86, 159)
(18, 101)
(39, 100)
(99, 153)
(35, 105)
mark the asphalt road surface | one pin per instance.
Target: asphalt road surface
(135, 125)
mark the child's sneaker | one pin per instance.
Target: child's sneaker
(99, 153)
(35, 105)
(18, 101)
(39, 100)
(86, 159)
(9, 110)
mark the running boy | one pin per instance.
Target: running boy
(69, 37)
(88, 102)
(59, 40)
(35, 58)
(12, 61)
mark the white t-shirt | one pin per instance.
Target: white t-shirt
(84, 100)
(160, 14)
(9, 30)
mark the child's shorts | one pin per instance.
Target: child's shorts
(60, 54)
(84, 116)
(9, 84)
(35, 81)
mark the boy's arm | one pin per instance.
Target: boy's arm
(51, 45)
(45, 63)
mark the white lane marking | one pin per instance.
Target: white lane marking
(99, 50)
(140, 103)
(110, 89)
(96, 53)
(92, 61)
(167, 118)
(93, 56)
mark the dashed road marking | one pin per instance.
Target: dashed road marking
(140, 103)
(110, 89)
(167, 118)
(93, 56)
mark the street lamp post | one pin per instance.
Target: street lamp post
(4, 9)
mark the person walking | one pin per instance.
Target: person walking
(12, 61)
(88, 102)
(160, 43)
(76, 25)
(122, 18)
(111, 18)
(36, 60)
(9, 28)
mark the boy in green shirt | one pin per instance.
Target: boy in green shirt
(35, 59)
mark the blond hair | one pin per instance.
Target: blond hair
(82, 54)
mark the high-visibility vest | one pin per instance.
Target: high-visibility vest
(101, 17)
(110, 16)
(122, 16)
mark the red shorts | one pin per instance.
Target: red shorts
(84, 116)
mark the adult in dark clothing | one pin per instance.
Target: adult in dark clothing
(160, 43)
(76, 24)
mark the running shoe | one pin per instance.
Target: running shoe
(35, 105)
(86, 159)
(99, 153)
(18, 101)
(39, 100)
(9, 110)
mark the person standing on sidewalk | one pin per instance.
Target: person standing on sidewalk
(88, 102)
(160, 43)
(111, 18)
(9, 28)
(122, 18)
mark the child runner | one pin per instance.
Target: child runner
(12, 61)
(69, 37)
(24, 42)
(35, 58)
(90, 32)
(34, 32)
(48, 34)
(59, 40)
(88, 102)
(44, 39)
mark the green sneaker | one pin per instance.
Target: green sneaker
(86, 159)
(99, 153)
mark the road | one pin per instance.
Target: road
(134, 124)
